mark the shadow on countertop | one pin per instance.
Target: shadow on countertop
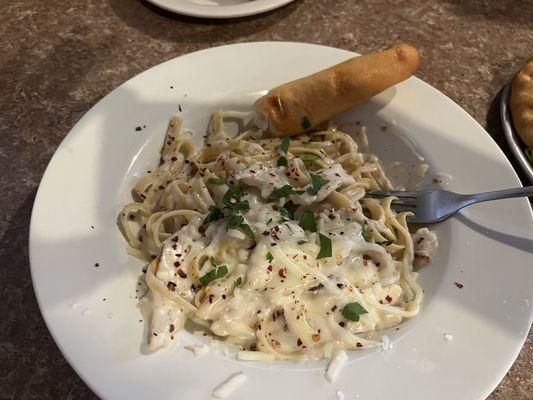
(162, 24)
(516, 11)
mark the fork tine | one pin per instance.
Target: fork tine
(403, 207)
(407, 201)
(395, 193)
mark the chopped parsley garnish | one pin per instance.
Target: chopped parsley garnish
(385, 242)
(215, 181)
(212, 261)
(306, 142)
(317, 182)
(309, 158)
(288, 210)
(306, 124)
(352, 311)
(238, 282)
(282, 160)
(215, 273)
(236, 222)
(325, 247)
(302, 242)
(232, 199)
(366, 234)
(269, 221)
(285, 145)
(269, 256)
(214, 214)
(308, 221)
(284, 191)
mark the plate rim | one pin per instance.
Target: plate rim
(224, 11)
(68, 136)
(510, 134)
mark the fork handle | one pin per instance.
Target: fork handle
(499, 194)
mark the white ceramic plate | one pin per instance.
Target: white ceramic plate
(219, 8)
(487, 248)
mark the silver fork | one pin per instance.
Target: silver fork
(437, 205)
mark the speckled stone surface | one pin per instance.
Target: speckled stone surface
(58, 58)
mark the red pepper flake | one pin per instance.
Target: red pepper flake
(333, 308)
(269, 267)
(171, 328)
(96, 265)
(174, 158)
(92, 226)
(181, 273)
(459, 285)
(299, 342)
(281, 272)
(253, 347)
(224, 296)
(171, 286)
(359, 344)
(138, 128)
(341, 324)
(177, 264)
(266, 233)
(316, 337)
(388, 298)
(211, 298)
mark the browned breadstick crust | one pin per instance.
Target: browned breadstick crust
(307, 102)
(521, 103)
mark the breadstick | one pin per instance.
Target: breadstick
(521, 103)
(302, 104)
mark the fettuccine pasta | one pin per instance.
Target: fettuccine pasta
(270, 244)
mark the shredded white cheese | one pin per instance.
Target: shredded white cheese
(229, 385)
(245, 355)
(340, 395)
(448, 337)
(198, 349)
(335, 365)
(386, 343)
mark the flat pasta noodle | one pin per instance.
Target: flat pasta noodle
(223, 229)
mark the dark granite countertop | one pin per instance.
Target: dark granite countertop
(58, 58)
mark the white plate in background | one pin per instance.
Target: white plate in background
(92, 312)
(219, 8)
